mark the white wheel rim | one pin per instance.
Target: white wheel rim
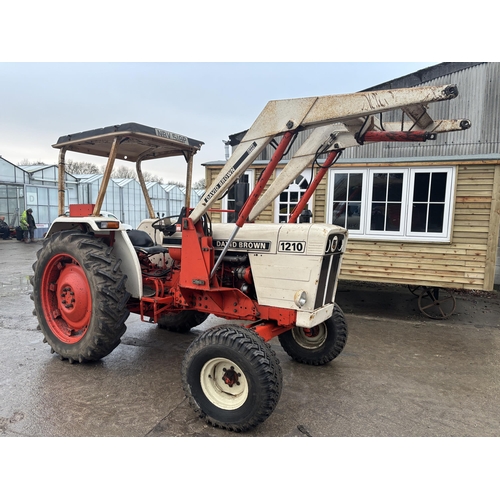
(310, 338)
(218, 391)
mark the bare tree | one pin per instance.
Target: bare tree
(149, 177)
(30, 162)
(175, 183)
(200, 184)
(81, 167)
(84, 167)
(123, 172)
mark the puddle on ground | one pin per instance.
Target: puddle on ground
(20, 284)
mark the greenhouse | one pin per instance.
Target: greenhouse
(36, 187)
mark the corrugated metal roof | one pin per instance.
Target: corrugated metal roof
(478, 101)
(398, 159)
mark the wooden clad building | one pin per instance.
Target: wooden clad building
(424, 214)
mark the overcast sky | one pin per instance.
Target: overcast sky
(204, 101)
(76, 88)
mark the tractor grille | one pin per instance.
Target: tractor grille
(328, 279)
(329, 271)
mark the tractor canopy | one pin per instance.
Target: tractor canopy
(136, 142)
(129, 141)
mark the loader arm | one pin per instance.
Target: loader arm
(340, 121)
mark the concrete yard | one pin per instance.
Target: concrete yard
(401, 374)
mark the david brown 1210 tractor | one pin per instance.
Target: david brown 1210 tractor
(267, 280)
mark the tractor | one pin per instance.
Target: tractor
(266, 280)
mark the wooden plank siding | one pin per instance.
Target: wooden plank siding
(468, 261)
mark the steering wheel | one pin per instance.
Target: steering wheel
(165, 224)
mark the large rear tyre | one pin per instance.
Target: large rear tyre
(232, 378)
(318, 345)
(80, 296)
(182, 321)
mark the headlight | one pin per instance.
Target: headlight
(300, 298)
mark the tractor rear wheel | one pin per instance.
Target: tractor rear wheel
(181, 321)
(318, 345)
(80, 296)
(232, 378)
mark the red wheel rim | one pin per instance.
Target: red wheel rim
(66, 298)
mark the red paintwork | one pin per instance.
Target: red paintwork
(395, 136)
(66, 298)
(81, 210)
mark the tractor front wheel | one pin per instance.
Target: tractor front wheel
(80, 296)
(232, 378)
(317, 345)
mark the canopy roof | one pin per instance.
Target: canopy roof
(135, 142)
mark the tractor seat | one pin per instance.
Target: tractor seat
(142, 242)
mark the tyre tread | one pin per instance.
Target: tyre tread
(109, 312)
(325, 354)
(247, 343)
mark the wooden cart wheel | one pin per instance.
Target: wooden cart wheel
(436, 303)
(414, 289)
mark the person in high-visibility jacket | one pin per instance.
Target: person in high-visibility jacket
(28, 225)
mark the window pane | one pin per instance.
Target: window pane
(436, 215)
(284, 197)
(340, 190)
(294, 196)
(377, 217)
(43, 197)
(231, 216)
(379, 187)
(354, 216)
(421, 189)
(339, 214)
(53, 197)
(395, 187)
(393, 221)
(303, 183)
(355, 187)
(43, 215)
(438, 187)
(52, 213)
(419, 217)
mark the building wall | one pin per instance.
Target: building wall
(467, 262)
(497, 268)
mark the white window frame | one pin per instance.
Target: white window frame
(306, 174)
(405, 233)
(445, 234)
(369, 201)
(331, 188)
